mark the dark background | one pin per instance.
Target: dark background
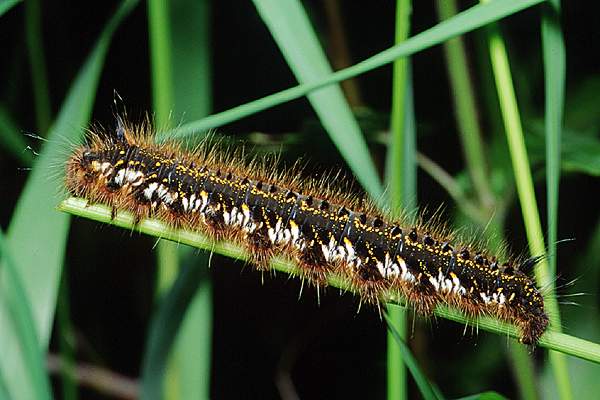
(335, 351)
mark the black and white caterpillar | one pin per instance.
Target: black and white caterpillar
(325, 232)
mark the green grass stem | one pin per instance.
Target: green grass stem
(554, 72)
(192, 90)
(187, 374)
(553, 48)
(161, 380)
(406, 358)
(400, 194)
(463, 96)
(526, 193)
(469, 128)
(160, 60)
(551, 339)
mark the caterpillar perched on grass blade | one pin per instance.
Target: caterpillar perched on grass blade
(326, 232)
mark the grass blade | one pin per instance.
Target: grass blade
(423, 384)
(551, 339)
(187, 372)
(191, 355)
(6, 5)
(37, 232)
(291, 29)
(463, 96)
(466, 21)
(469, 128)
(167, 254)
(165, 326)
(527, 199)
(401, 181)
(554, 71)
(15, 300)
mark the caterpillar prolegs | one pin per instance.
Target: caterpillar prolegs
(324, 231)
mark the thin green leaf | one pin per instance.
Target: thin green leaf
(553, 340)
(187, 373)
(6, 5)
(554, 70)
(466, 21)
(525, 190)
(37, 233)
(191, 355)
(421, 380)
(465, 109)
(291, 29)
(28, 346)
(165, 326)
(401, 181)
(554, 84)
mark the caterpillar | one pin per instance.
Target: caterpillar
(325, 232)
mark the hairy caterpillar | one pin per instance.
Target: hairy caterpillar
(271, 213)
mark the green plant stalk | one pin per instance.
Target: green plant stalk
(160, 58)
(162, 97)
(165, 329)
(554, 70)
(192, 93)
(463, 96)
(526, 193)
(423, 384)
(37, 63)
(466, 21)
(396, 371)
(523, 371)
(552, 339)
